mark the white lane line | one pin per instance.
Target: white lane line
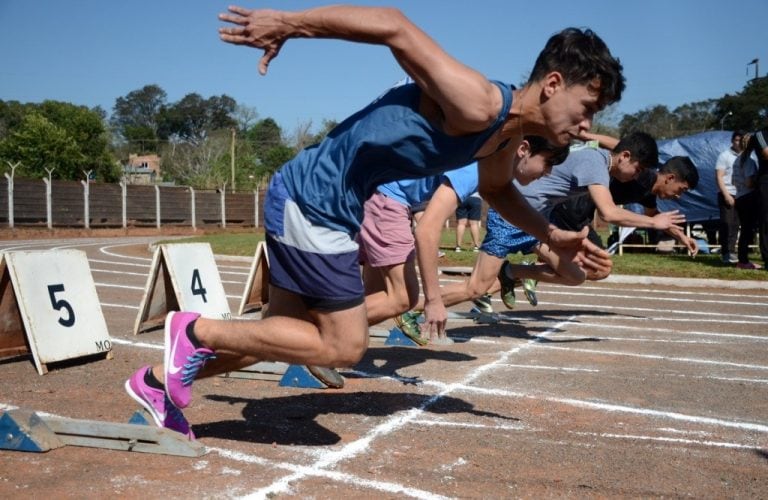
(341, 477)
(662, 439)
(655, 311)
(617, 408)
(653, 356)
(673, 332)
(656, 299)
(332, 458)
(121, 273)
(715, 291)
(551, 368)
(587, 337)
(236, 456)
(118, 263)
(668, 319)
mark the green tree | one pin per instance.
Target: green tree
(193, 118)
(748, 108)
(264, 135)
(135, 117)
(57, 134)
(39, 144)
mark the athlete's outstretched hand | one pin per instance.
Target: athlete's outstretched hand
(595, 261)
(565, 240)
(263, 29)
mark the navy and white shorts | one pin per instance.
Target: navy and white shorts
(502, 238)
(315, 262)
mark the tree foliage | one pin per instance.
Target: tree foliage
(135, 116)
(56, 135)
(748, 108)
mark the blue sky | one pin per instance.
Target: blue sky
(92, 51)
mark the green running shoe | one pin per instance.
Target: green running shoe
(407, 323)
(507, 286)
(483, 304)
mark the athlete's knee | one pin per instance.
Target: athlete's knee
(348, 354)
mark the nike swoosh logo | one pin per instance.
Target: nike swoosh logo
(173, 369)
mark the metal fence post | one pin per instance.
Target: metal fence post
(192, 202)
(10, 192)
(48, 211)
(223, 206)
(124, 197)
(157, 205)
(86, 199)
(256, 208)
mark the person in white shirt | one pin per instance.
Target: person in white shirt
(726, 199)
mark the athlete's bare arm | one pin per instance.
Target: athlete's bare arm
(469, 102)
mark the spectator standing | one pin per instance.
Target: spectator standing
(471, 210)
(758, 144)
(747, 204)
(726, 199)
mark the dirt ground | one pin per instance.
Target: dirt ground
(604, 390)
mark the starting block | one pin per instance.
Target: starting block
(300, 376)
(183, 277)
(476, 316)
(23, 430)
(286, 375)
(398, 338)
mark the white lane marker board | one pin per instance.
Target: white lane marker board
(256, 293)
(182, 277)
(49, 307)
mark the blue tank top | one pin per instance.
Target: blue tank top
(388, 140)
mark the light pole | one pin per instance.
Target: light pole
(722, 120)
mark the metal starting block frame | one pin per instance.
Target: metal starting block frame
(286, 375)
(24, 430)
(476, 316)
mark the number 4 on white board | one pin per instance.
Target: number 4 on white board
(183, 277)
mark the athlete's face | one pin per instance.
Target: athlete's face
(627, 168)
(669, 187)
(569, 110)
(531, 167)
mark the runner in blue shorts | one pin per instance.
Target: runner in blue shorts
(451, 116)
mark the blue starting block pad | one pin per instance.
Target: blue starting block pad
(299, 376)
(23, 430)
(398, 338)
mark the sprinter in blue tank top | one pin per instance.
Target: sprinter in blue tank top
(452, 115)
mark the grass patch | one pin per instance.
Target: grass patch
(646, 264)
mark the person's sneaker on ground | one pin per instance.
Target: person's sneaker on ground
(157, 404)
(483, 304)
(748, 265)
(407, 323)
(529, 287)
(457, 249)
(529, 290)
(507, 291)
(475, 249)
(182, 359)
(328, 376)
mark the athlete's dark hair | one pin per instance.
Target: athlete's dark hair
(642, 147)
(683, 168)
(557, 154)
(581, 57)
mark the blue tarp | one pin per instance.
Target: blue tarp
(700, 204)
